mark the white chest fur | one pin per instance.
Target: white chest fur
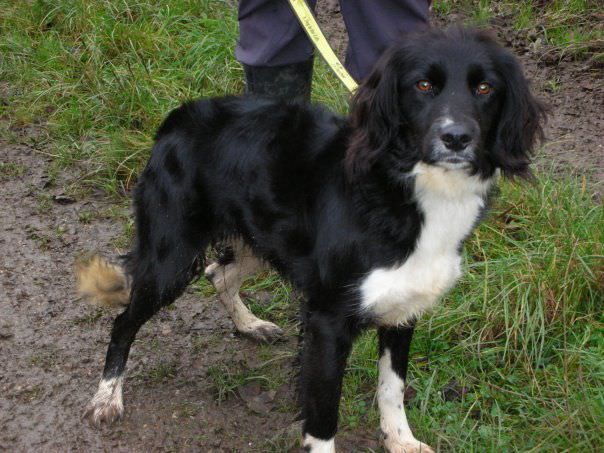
(451, 202)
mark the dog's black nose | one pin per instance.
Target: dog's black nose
(456, 137)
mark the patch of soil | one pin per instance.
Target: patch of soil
(574, 90)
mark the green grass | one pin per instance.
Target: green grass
(524, 329)
(157, 373)
(482, 13)
(573, 27)
(523, 332)
(271, 372)
(104, 74)
(443, 7)
(570, 26)
(525, 18)
(10, 170)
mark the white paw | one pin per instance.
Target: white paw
(406, 446)
(210, 271)
(313, 445)
(107, 405)
(263, 331)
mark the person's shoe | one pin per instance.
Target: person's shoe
(290, 82)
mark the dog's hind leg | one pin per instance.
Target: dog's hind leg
(153, 287)
(170, 245)
(107, 404)
(151, 290)
(227, 277)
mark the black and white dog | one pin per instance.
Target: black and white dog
(365, 214)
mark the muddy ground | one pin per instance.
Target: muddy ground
(52, 346)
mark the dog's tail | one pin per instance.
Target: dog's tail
(102, 283)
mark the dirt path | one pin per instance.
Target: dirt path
(52, 346)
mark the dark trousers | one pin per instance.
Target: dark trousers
(269, 33)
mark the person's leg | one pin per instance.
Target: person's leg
(275, 52)
(373, 26)
(291, 82)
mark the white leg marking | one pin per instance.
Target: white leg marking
(107, 404)
(398, 437)
(314, 445)
(227, 281)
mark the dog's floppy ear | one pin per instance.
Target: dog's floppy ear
(521, 122)
(375, 116)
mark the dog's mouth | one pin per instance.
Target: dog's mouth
(438, 155)
(454, 162)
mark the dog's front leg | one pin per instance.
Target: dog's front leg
(394, 356)
(327, 343)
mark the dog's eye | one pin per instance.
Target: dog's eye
(484, 88)
(424, 85)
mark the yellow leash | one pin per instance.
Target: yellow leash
(310, 26)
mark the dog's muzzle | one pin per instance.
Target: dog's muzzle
(452, 143)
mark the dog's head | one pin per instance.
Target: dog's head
(454, 99)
